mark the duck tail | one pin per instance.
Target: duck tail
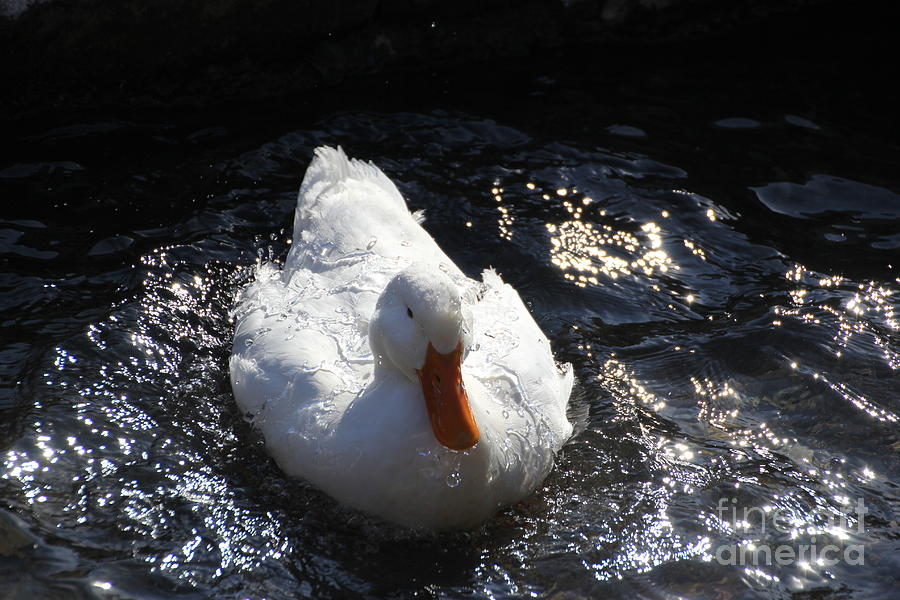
(330, 166)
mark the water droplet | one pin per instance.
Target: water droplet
(372, 241)
(453, 479)
(505, 414)
(406, 243)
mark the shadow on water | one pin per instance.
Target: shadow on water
(716, 260)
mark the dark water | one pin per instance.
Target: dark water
(719, 263)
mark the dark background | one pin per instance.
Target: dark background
(258, 66)
(63, 56)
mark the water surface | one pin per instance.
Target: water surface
(722, 277)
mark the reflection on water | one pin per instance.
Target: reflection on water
(577, 246)
(716, 374)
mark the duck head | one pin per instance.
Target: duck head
(421, 328)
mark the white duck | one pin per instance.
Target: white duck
(380, 373)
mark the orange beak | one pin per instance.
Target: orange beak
(446, 399)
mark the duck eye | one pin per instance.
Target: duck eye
(409, 312)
